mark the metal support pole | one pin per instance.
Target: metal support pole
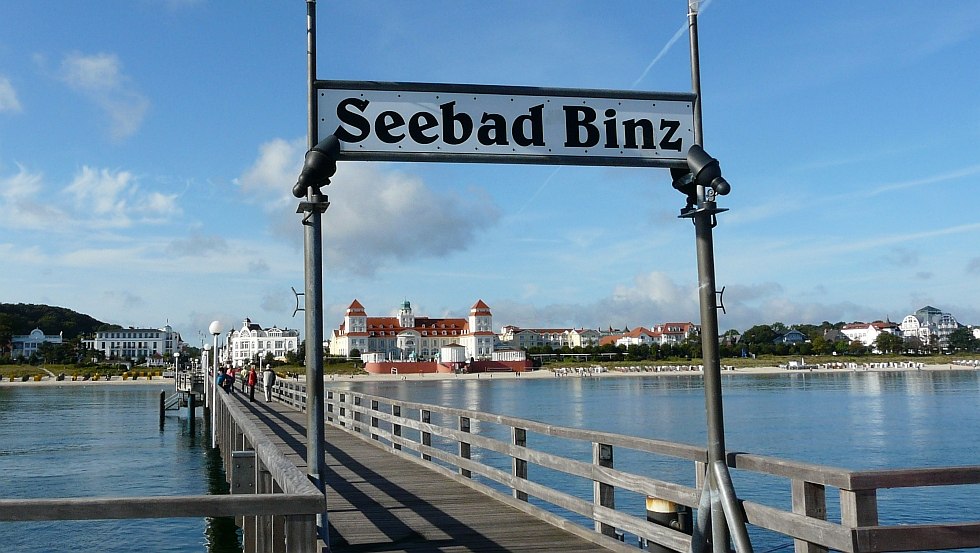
(313, 253)
(718, 485)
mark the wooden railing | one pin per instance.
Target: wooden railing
(189, 381)
(273, 500)
(466, 437)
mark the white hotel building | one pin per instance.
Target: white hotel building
(154, 344)
(251, 343)
(409, 338)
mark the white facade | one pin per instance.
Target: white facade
(251, 343)
(526, 338)
(637, 337)
(155, 344)
(930, 326)
(407, 337)
(867, 333)
(25, 345)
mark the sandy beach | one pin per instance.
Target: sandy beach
(619, 372)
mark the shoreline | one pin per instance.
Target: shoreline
(537, 374)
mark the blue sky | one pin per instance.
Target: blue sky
(148, 149)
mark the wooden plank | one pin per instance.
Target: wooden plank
(914, 537)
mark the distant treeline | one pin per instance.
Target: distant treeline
(22, 318)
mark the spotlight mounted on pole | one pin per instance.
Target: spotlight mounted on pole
(703, 173)
(319, 166)
(706, 171)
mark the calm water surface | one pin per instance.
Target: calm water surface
(105, 441)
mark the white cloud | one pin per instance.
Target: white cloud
(376, 215)
(271, 177)
(197, 244)
(973, 266)
(8, 96)
(20, 207)
(100, 78)
(107, 198)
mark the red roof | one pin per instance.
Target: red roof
(480, 306)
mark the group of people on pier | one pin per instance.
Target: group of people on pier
(249, 380)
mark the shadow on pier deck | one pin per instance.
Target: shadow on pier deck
(378, 502)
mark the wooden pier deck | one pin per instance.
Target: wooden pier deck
(378, 502)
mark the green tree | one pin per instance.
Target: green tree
(821, 346)
(638, 352)
(962, 339)
(887, 342)
(759, 334)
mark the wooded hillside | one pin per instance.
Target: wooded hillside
(22, 318)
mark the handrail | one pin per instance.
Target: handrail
(389, 422)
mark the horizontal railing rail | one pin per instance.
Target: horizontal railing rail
(272, 499)
(458, 445)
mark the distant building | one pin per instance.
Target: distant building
(791, 337)
(639, 336)
(832, 335)
(930, 326)
(154, 344)
(25, 345)
(251, 342)
(660, 334)
(407, 337)
(867, 333)
(675, 333)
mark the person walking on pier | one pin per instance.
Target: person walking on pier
(251, 380)
(268, 380)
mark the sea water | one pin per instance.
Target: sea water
(105, 441)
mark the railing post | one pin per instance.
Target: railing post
(426, 418)
(811, 500)
(263, 523)
(330, 403)
(604, 495)
(396, 429)
(519, 465)
(278, 526)
(859, 508)
(357, 414)
(243, 482)
(374, 420)
(464, 447)
(301, 534)
(343, 409)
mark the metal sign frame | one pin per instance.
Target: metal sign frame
(626, 128)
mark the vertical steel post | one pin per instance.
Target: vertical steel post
(313, 254)
(704, 221)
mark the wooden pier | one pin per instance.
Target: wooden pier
(377, 502)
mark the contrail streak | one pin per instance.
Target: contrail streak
(670, 43)
(663, 51)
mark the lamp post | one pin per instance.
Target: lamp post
(214, 328)
(204, 364)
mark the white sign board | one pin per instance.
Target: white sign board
(496, 124)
